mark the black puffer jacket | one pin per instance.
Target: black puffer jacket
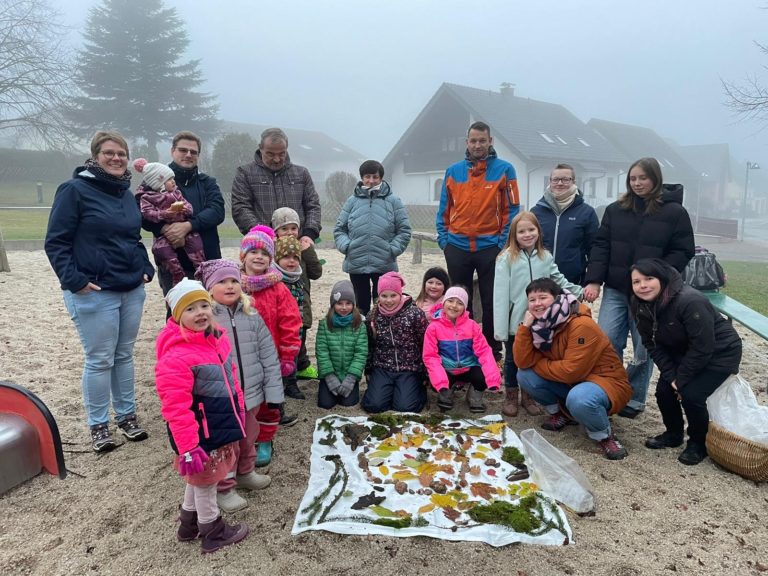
(626, 236)
(684, 334)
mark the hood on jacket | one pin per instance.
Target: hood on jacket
(113, 187)
(436, 313)
(672, 193)
(171, 335)
(491, 154)
(259, 160)
(382, 192)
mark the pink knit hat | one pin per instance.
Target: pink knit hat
(457, 292)
(211, 272)
(258, 238)
(391, 281)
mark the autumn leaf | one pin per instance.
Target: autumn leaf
(367, 500)
(445, 482)
(467, 444)
(475, 431)
(495, 444)
(383, 470)
(411, 463)
(496, 427)
(402, 514)
(425, 479)
(382, 512)
(417, 440)
(474, 470)
(468, 505)
(403, 475)
(483, 490)
(442, 454)
(451, 513)
(442, 500)
(428, 468)
(490, 472)
(457, 495)
(427, 508)
(380, 454)
(447, 469)
(478, 455)
(484, 449)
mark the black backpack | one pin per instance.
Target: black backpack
(704, 272)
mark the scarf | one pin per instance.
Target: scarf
(543, 329)
(560, 204)
(342, 321)
(395, 310)
(260, 282)
(93, 167)
(289, 277)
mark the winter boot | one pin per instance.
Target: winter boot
(253, 481)
(292, 390)
(511, 402)
(529, 404)
(445, 399)
(218, 534)
(187, 525)
(263, 454)
(230, 501)
(475, 400)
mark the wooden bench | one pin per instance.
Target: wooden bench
(417, 238)
(735, 310)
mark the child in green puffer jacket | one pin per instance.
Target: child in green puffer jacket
(341, 349)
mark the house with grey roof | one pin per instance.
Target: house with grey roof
(533, 135)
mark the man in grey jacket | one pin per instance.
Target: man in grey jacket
(270, 182)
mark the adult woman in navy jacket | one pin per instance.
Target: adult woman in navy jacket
(94, 245)
(694, 347)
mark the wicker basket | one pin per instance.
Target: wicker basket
(737, 454)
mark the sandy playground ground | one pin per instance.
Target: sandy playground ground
(115, 513)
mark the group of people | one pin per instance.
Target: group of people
(234, 344)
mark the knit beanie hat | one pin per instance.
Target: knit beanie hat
(439, 274)
(457, 292)
(183, 294)
(391, 281)
(343, 290)
(287, 246)
(283, 216)
(211, 272)
(154, 174)
(258, 238)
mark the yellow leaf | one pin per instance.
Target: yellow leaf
(383, 470)
(417, 440)
(381, 511)
(457, 495)
(484, 449)
(428, 468)
(411, 463)
(442, 500)
(403, 475)
(427, 508)
(479, 455)
(475, 431)
(380, 454)
(496, 427)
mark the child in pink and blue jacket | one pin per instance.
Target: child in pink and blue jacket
(456, 350)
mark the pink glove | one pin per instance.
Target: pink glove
(287, 367)
(192, 462)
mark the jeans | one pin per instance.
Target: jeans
(616, 321)
(586, 402)
(327, 399)
(108, 323)
(398, 391)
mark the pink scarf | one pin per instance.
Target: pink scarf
(260, 282)
(543, 329)
(394, 310)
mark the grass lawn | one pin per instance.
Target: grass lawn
(25, 193)
(746, 283)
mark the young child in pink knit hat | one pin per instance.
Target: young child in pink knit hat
(397, 326)
(277, 307)
(161, 202)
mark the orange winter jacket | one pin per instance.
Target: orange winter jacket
(580, 352)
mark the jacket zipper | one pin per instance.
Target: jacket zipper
(394, 347)
(204, 422)
(237, 350)
(557, 229)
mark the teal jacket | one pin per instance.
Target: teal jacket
(341, 351)
(512, 277)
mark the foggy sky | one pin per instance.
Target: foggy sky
(361, 70)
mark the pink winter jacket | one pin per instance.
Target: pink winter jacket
(455, 348)
(196, 381)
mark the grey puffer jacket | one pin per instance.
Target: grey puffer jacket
(254, 352)
(372, 230)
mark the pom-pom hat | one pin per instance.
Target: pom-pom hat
(154, 174)
(258, 238)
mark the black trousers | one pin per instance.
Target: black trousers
(366, 290)
(694, 404)
(461, 268)
(475, 377)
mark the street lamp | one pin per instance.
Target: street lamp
(750, 166)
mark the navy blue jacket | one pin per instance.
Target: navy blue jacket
(568, 236)
(204, 194)
(94, 235)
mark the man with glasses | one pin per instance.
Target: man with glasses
(477, 203)
(204, 194)
(270, 182)
(568, 223)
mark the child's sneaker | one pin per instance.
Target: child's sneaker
(253, 481)
(130, 428)
(308, 373)
(101, 438)
(612, 448)
(263, 454)
(230, 501)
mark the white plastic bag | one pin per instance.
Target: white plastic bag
(557, 474)
(734, 407)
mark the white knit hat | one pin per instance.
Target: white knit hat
(183, 294)
(154, 174)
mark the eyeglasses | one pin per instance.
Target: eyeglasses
(113, 153)
(190, 151)
(561, 180)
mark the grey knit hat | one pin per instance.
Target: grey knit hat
(343, 290)
(283, 216)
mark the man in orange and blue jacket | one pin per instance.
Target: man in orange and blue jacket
(478, 200)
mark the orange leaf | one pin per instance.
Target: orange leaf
(482, 489)
(474, 470)
(425, 479)
(452, 514)
(427, 508)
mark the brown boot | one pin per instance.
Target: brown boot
(529, 404)
(218, 534)
(187, 525)
(511, 402)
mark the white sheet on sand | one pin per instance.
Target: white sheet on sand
(464, 456)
